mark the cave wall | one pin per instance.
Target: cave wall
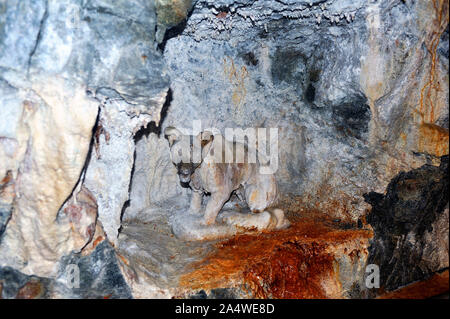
(346, 83)
(78, 79)
(358, 90)
(410, 222)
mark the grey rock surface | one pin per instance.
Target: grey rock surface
(100, 274)
(99, 278)
(13, 282)
(154, 181)
(66, 68)
(5, 215)
(332, 76)
(156, 258)
(358, 91)
(411, 226)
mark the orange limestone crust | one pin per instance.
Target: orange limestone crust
(290, 263)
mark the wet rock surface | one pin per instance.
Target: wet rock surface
(77, 81)
(312, 259)
(219, 293)
(435, 287)
(5, 215)
(100, 277)
(18, 285)
(327, 76)
(410, 224)
(153, 258)
(358, 91)
(100, 274)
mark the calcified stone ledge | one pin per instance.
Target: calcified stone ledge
(358, 90)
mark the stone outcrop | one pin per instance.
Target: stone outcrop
(100, 278)
(77, 81)
(411, 226)
(358, 91)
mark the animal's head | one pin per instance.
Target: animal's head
(187, 151)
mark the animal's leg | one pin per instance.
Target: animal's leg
(213, 207)
(196, 202)
(272, 219)
(282, 221)
(259, 221)
(261, 194)
(255, 198)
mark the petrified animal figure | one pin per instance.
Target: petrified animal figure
(210, 173)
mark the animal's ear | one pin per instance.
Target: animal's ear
(172, 134)
(206, 138)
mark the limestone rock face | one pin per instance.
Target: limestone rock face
(99, 277)
(356, 90)
(155, 180)
(334, 77)
(65, 69)
(108, 174)
(411, 226)
(52, 141)
(170, 13)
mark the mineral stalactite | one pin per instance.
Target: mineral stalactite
(356, 91)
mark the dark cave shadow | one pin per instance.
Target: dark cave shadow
(152, 127)
(175, 31)
(145, 131)
(85, 165)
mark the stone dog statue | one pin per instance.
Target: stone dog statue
(209, 174)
